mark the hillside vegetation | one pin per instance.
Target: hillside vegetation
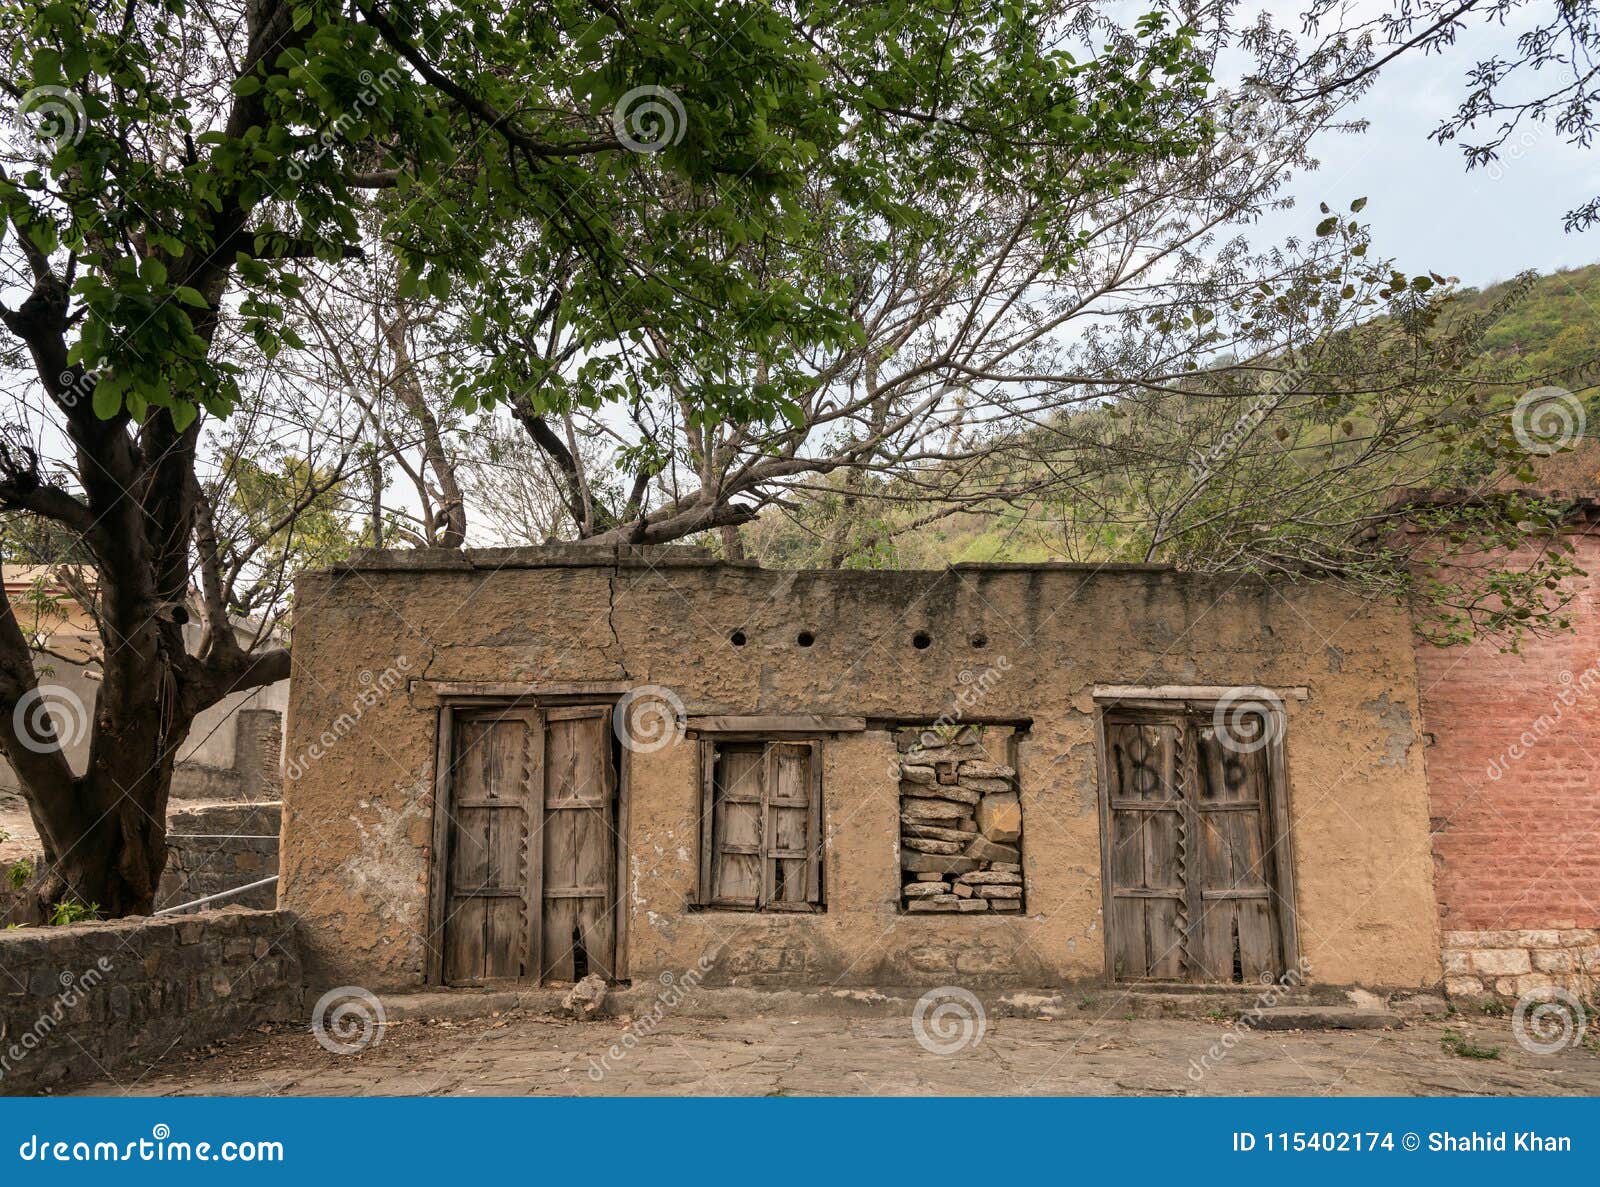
(1526, 335)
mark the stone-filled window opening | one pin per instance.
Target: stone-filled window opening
(960, 824)
(761, 825)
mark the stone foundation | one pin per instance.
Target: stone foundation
(109, 1000)
(960, 822)
(1507, 964)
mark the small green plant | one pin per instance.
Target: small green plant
(19, 873)
(1494, 1007)
(1464, 1047)
(72, 911)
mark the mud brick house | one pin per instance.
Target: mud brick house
(527, 765)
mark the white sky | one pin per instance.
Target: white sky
(1425, 208)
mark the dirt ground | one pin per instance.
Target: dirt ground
(17, 836)
(520, 1054)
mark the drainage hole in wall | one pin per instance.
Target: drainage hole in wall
(805, 638)
(737, 638)
(980, 640)
(921, 640)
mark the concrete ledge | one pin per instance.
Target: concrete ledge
(1312, 1009)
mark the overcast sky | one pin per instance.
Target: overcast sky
(1425, 208)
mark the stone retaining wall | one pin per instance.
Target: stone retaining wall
(110, 1000)
(210, 850)
(1510, 963)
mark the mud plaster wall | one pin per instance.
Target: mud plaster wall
(357, 819)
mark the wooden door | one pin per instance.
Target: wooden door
(577, 935)
(1196, 887)
(491, 815)
(525, 873)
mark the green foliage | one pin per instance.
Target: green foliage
(517, 146)
(294, 512)
(70, 910)
(1455, 1044)
(19, 872)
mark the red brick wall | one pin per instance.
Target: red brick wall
(1514, 772)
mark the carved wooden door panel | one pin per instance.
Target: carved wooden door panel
(526, 871)
(1195, 885)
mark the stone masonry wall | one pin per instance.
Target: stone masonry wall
(218, 848)
(1508, 964)
(110, 1000)
(960, 822)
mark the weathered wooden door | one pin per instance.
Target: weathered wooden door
(1196, 877)
(525, 874)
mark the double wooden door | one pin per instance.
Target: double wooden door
(526, 847)
(1194, 848)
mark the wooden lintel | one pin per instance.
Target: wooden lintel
(432, 693)
(1194, 692)
(793, 723)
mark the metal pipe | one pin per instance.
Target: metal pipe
(212, 898)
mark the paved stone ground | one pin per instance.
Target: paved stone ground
(521, 1054)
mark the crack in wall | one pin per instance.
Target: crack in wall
(611, 620)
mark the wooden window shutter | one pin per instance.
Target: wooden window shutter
(738, 795)
(761, 825)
